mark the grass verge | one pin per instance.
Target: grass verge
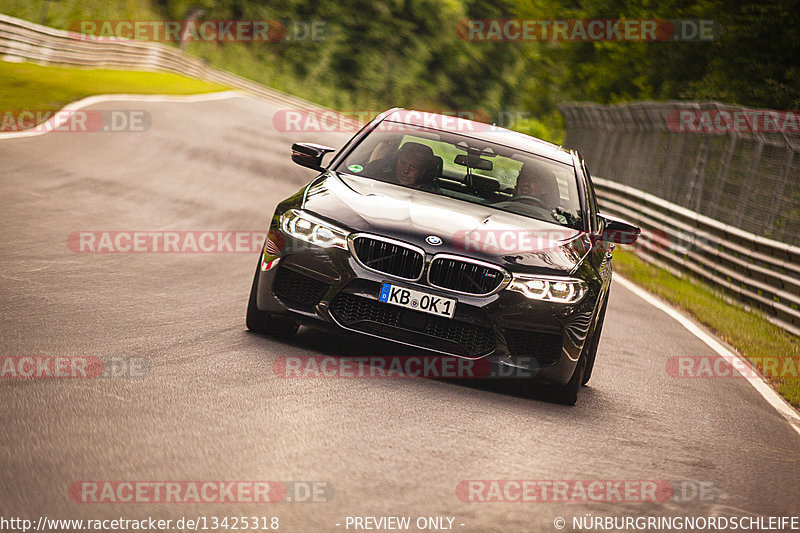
(25, 86)
(749, 332)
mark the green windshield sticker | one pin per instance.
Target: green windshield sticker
(355, 168)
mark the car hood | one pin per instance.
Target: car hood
(517, 242)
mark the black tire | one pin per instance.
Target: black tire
(595, 341)
(568, 394)
(262, 322)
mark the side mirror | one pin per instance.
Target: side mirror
(618, 230)
(310, 155)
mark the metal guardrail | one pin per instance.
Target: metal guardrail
(21, 40)
(762, 273)
(738, 165)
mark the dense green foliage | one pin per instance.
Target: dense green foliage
(382, 53)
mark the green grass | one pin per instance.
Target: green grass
(25, 86)
(28, 86)
(749, 332)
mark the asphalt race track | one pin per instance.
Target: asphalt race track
(210, 407)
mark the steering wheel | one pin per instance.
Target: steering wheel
(532, 200)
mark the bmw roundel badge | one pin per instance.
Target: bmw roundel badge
(433, 240)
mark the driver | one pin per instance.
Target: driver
(535, 182)
(411, 166)
(413, 161)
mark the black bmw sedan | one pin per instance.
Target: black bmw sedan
(450, 235)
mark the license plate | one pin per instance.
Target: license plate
(418, 300)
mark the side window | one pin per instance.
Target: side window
(592, 200)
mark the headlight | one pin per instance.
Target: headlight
(561, 290)
(309, 228)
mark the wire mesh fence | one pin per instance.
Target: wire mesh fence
(733, 164)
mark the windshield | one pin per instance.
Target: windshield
(469, 169)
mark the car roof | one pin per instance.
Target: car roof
(480, 130)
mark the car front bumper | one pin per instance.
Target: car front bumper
(329, 287)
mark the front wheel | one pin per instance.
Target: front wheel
(262, 322)
(595, 341)
(568, 394)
